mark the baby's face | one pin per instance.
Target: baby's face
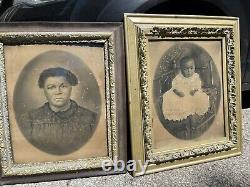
(188, 68)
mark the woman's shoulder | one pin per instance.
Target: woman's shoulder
(40, 112)
(37, 113)
(35, 116)
(85, 113)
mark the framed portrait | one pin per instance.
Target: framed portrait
(62, 102)
(184, 89)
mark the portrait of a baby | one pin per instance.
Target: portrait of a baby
(186, 90)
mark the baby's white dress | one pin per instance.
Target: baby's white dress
(177, 108)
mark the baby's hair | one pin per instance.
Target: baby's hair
(57, 72)
(185, 59)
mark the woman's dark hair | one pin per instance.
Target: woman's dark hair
(56, 72)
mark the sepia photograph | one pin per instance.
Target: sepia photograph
(184, 89)
(60, 95)
(187, 91)
(59, 126)
(49, 98)
(57, 102)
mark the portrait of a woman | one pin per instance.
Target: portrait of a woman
(60, 126)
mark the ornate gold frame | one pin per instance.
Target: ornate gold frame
(138, 29)
(113, 62)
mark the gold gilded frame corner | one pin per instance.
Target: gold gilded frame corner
(138, 29)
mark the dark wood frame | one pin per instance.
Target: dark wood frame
(115, 30)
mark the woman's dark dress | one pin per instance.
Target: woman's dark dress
(58, 132)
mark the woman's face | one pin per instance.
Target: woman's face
(57, 91)
(188, 68)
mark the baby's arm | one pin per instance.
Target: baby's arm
(196, 85)
(176, 87)
(179, 93)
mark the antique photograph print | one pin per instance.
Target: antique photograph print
(60, 125)
(187, 89)
(60, 98)
(58, 102)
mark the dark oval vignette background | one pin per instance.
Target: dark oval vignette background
(165, 66)
(88, 96)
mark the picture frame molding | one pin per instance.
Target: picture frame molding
(141, 28)
(73, 34)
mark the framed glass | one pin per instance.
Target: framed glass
(184, 83)
(61, 100)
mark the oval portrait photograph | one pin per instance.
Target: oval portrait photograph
(56, 102)
(186, 90)
(61, 124)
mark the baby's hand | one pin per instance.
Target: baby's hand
(192, 92)
(179, 93)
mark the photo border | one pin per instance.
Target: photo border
(72, 34)
(142, 27)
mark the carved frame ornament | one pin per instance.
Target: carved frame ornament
(112, 62)
(142, 29)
